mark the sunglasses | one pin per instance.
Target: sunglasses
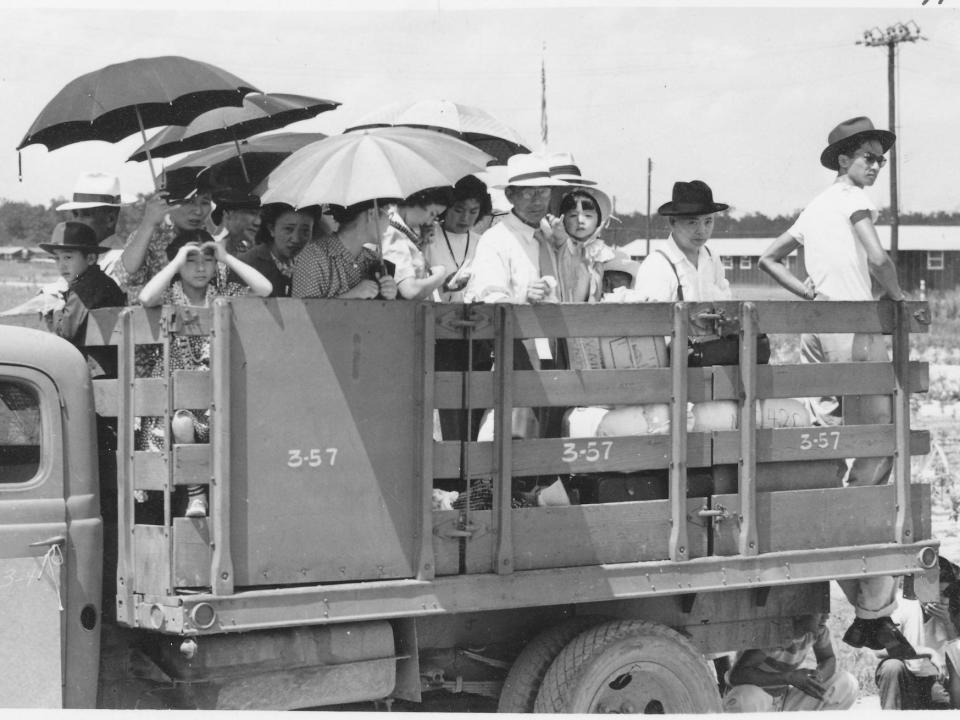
(871, 158)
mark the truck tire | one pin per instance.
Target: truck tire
(522, 683)
(629, 666)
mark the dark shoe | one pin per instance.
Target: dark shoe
(879, 634)
(890, 638)
(859, 633)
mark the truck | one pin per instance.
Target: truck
(324, 574)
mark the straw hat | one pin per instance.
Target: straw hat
(529, 170)
(564, 167)
(94, 190)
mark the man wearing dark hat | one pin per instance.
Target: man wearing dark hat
(685, 269)
(841, 252)
(237, 214)
(75, 247)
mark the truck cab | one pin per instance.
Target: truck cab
(324, 574)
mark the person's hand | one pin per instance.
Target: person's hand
(537, 291)
(937, 610)
(387, 286)
(181, 257)
(364, 290)
(457, 281)
(552, 230)
(155, 208)
(809, 289)
(807, 681)
(219, 250)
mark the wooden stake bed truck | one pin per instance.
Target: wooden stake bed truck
(323, 575)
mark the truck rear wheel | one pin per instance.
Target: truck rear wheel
(629, 666)
(522, 683)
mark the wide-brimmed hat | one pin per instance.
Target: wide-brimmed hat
(529, 170)
(691, 198)
(564, 167)
(94, 190)
(72, 235)
(858, 127)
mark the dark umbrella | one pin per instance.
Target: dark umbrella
(118, 100)
(260, 156)
(259, 113)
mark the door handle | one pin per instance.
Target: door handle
(49, 542)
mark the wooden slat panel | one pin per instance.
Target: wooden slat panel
(191, 464)
(547, 456)
(826, 317)
(578, 535)
(149, 470)
(815, 519)
(813, 380)
(103, 327)
(150, 397)
(191, 552)
(151, 560)
(814, 443)
(583, 320)
(192, 389)
(572, 388)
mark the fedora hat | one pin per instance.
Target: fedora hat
(72, 235)
(858, 127)
(564, 167)
(94, 190)
(528, 170)
(691, 198)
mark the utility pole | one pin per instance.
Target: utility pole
(894, 35)
(649, 173)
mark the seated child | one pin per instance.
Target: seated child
(187, 282)
(75, 247)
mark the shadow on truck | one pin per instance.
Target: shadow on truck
(323, 575)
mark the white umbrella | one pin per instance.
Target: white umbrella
(392, 162)
(471, 124)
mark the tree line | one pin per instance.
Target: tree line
(25, 224)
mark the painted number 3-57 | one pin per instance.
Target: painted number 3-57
(313, 457)
(590, 451)
(822, 440)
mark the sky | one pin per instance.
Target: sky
(742, 97)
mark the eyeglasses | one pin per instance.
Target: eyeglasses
(529, 193)
(870, 158)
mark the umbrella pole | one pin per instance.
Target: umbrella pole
(143, 134)
(243, 165)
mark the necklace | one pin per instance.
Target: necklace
(466, 249)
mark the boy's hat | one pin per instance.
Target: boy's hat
(691, 198)
(94, 190)
(853, 128)
(73, 235)
(622, 263)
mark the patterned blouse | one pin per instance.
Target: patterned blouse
(154, 260)
(326, 269)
